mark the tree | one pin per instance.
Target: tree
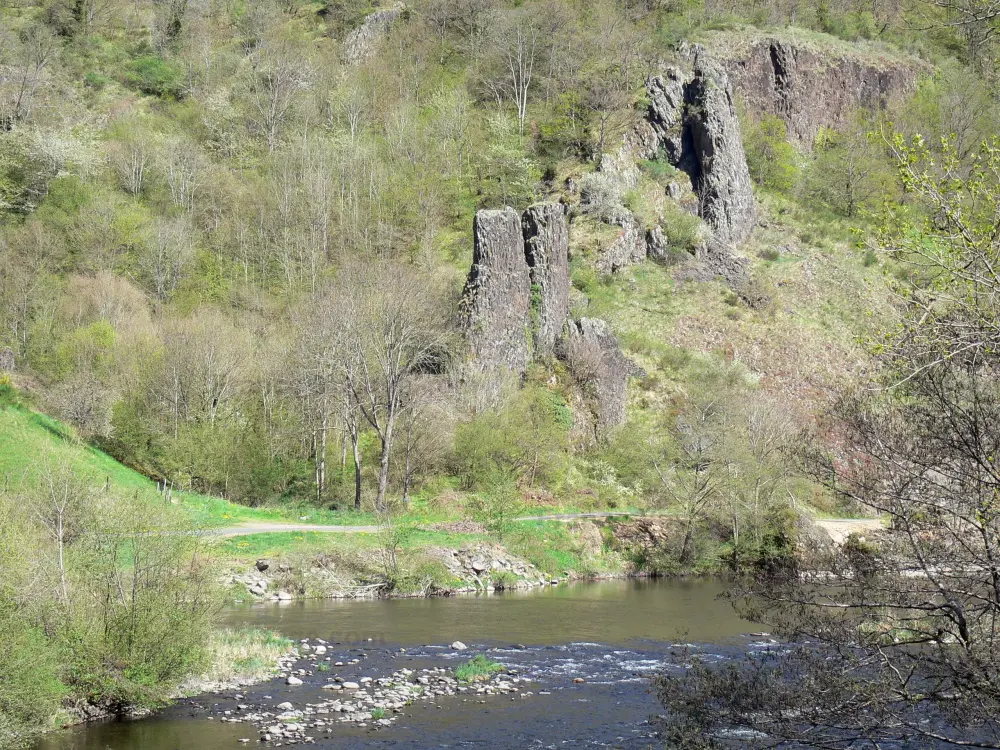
(771, 158)
(849, 173)
(903, 645)
(277, 76)
(23, 64)
(392, 331)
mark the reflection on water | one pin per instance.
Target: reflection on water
(607, 612)
(613, 634)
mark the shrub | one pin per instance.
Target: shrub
(600, 195)
(30, 689)
(155, 76)
(659, 169)
(497, 505)
(771, 158)
(477, 668)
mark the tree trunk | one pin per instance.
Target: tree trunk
(407, 469)
(357, 469)
(321, 461)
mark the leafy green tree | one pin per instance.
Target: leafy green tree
(772, 160)
(849, 173)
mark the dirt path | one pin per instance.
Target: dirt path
(258, 527)
(838, 528)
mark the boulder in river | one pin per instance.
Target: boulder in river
(293, 680)
(458, 646)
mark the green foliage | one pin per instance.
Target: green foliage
(506, 175)
(527, 440)
(155, 76)
(771, 158)
(30, 688)
(659, 169)
(497, 504)
(849, 174)
(477, 668)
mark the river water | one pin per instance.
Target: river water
(614, 635)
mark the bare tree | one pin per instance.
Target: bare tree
(278, 75)
(393, 330)
(23, 63)
(902, 636)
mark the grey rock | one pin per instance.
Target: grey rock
(351, 686)
(591, 350)
(811, 89)
(284, 596)
(694, 118)
(458, 646)
(362, 43)
(478, 565)
(292, 680)
(628, 248)
(262, 565)
(656, 245)
(496, 303)
(722, 181)
(258, 589)
(286, 706)
(546, 248)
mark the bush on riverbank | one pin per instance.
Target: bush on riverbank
(106, 606)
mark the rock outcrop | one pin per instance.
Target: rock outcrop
(721, 179)
(811, 88)
(362, 43)
(591, 350)
(629, 246)
(7, 361)
(517, 294)
(694, 119)
(496, 303)
(546, 249)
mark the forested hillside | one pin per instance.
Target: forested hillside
(445, 258)
(209, 206)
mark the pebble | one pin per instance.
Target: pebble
(292, 680)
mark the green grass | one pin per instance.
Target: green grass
(29, 440)
(477, 667)
(378, 713)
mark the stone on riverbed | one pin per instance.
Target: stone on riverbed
(458, 646)
(292, 680)
(351, 686)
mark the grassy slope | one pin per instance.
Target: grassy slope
(29, 440)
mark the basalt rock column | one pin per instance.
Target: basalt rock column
(591, 350)
(496, 303)
(722, 181)
(546, 249)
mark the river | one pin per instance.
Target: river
(613, 635)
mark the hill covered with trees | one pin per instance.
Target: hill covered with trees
(454, 256)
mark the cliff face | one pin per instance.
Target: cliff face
(362, 43)
(496, 304)
(516, 308)
(810, 88)
(693, 119)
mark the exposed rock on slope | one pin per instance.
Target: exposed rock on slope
(591, 350)
(694, 119)
(516, 259)
(363, 41)
(628, 248)
(809, 87)
(546, 248)
(722, 179)
(496, 303)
